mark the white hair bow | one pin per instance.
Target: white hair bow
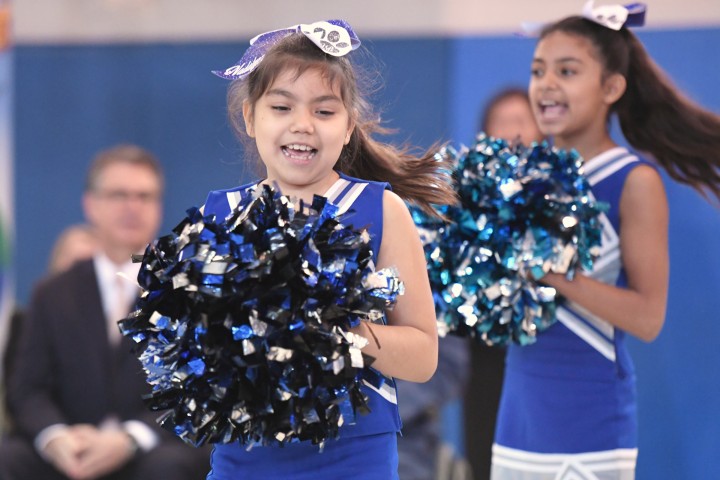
(615, 17)
(334, 37)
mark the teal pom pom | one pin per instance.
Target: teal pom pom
(523, 212)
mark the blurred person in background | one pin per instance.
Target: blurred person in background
(423, 455)
(508, 115)
(75, 392)
(76, 242)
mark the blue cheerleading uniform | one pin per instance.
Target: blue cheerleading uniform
(568, 406)
(367, 446)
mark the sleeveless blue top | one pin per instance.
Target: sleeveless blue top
(573, 391)
(363, 202)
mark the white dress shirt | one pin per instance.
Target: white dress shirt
(118, 291)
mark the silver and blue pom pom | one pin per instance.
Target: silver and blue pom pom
(523, 212)
(243, 325)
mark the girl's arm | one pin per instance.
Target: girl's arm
(638, 309)
(408, 344)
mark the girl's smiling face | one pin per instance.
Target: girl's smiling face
(568, 93)
(300, 126)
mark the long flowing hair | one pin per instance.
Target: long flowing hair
(655, 117)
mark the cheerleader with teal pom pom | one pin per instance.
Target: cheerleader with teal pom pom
(568, 407)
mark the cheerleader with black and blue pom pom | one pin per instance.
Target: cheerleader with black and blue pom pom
(295, 100)
(568, 407)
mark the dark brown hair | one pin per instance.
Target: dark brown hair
(655, 117)
(420, 179)
(123, 153)
(497, 99)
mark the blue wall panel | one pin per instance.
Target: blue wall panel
(678, 378)
(73, 101)
(481, 67)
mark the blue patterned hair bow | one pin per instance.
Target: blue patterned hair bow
(334, 37)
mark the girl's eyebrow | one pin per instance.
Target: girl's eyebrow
(289, 95)
(568, 60)
(326, 98)
(280, 92)
(559, 60)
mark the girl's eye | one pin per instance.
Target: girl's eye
(280, 108)
(567, 72)
(325, 113)
(536, 72)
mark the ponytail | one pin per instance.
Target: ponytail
(654, 116)
(424, 180)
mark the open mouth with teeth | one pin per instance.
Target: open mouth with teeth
(298, 151)
(552, 109)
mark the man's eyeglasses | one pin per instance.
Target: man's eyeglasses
(124, 196)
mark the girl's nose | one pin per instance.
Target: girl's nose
(547, 81)
(302, 122)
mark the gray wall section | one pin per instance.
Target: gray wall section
(73, 100)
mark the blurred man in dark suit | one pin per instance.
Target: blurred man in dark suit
(74, 395)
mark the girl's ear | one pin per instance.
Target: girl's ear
(614, 88)
(247, 116)
(351, 128)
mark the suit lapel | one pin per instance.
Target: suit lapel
(93, 320)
